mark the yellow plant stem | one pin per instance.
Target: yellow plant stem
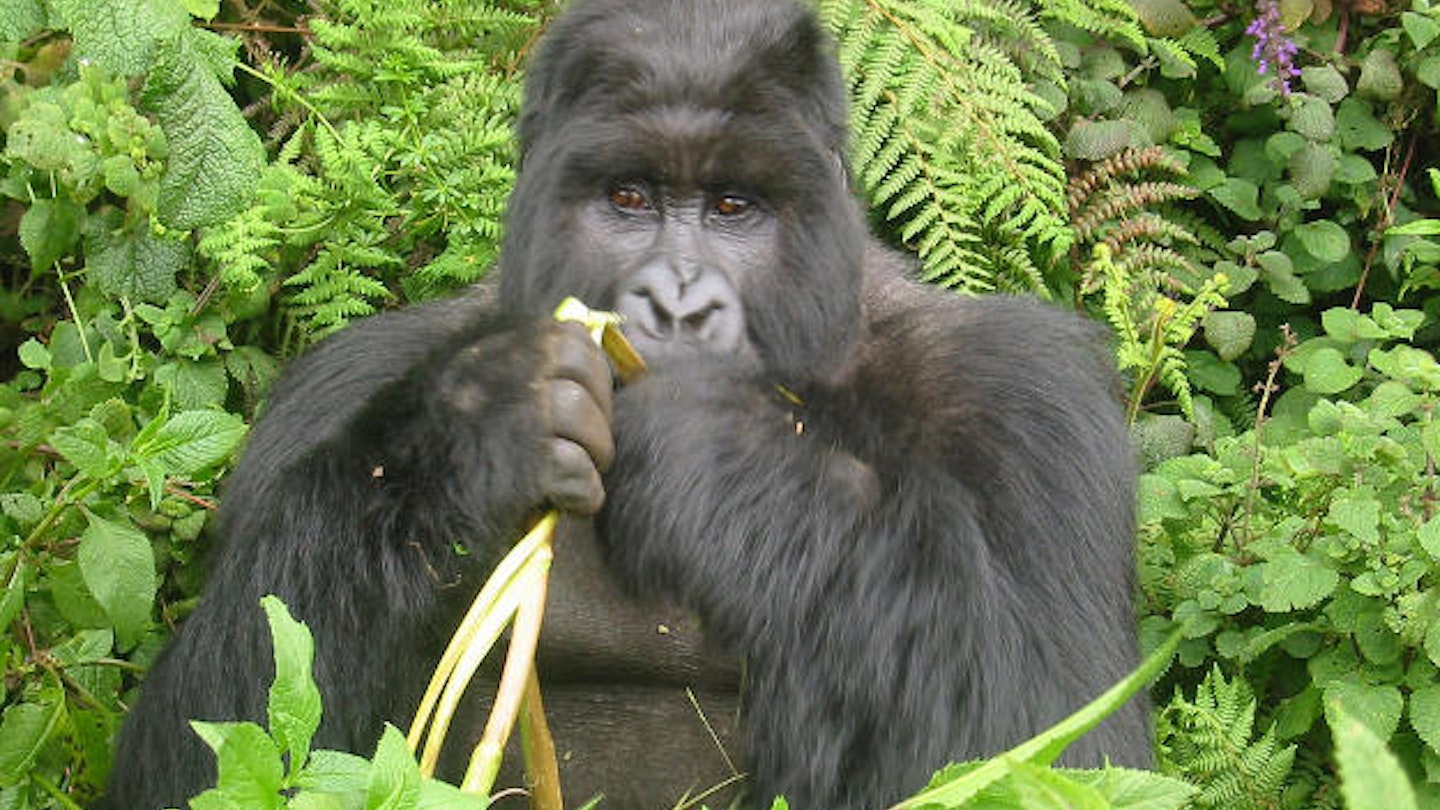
(541, 763)
(477, 633)
(519, 669)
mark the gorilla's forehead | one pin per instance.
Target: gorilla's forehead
(661, 62)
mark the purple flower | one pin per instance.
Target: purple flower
(1273, 48)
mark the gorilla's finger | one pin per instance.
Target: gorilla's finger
(576, 357)
(571, 481)
(576, 415)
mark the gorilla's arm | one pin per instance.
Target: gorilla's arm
(386, 454)
(892, 548)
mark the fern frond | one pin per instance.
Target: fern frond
(949, 142)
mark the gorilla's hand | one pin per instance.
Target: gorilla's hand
(544, 390)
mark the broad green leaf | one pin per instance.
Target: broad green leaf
(194, 384)
(1407, 364)
(1421, 29)
(294, 705)
(1229, 333)
(1294, 581)
(1418, 227)
(135, 264)
(121, 35)
(12, 598)
(204, 9)
(1377, 706)
(1131, 789)
(1044, 789)
(1358, 516)
(86, 445)
(118, 565)
(21, 18)
(251, 771)
(215, 158)
(1429, 535)
(1424, 708)
(335, 772)
(1324, 239)
(1326, 372)
(192, 441)
(394, 777)
(1371, 778)
(49, 230)
(1240, 196)
(33, 354)
(1379, 76)
(24, 731)
(1356, 126)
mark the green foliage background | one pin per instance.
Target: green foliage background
(196, 191)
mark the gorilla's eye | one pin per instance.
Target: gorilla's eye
(629, 198)
(731, 205)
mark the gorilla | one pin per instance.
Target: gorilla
(849, 529)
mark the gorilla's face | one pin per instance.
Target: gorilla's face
(704, 199)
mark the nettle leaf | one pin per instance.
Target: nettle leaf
(1229, 333)
(394, 778)
(1377, 706)
(21, 18)
(192, 442)
(1240, 196)
(1324, 239)
(1294, 581)
(24, 732)
(251, 772)
(118, 565)
(294, 705)
(1424, 707)
(1429, 534)
(88, 446)
(1356, 126)
(1358, 516)
(1407, 364)
(136, 265)
(120, 35)
(1371, 778)
(215, 158)
(1327, 372)
(50, 230)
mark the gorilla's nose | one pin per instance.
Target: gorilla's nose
(662, 309)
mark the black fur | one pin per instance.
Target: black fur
(907, 513)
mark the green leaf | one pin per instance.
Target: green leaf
(204, 9)
(1044, 789)
(1421, 29)
(251, 772)
(120, 35)
(50, 230)
(20, 18)
(1371, 778)
(33, 354)
(192, 441)
(135, 264)
(1326, 372)
(1240, 196)
(1294, 581)
(1380, 76)
(1325, 81)
(1429, 534)
(294, 705)
(86, 445)
(1130, 789)
(1424, 708)
(24, 732)
(394, 778)
(118, 565)
(215, 158)
(1377, 706)
(335, 772)
(1356, 126)
(1407, 364)
(1358, 516)
(1229, 333)
(1312, 117)
(1324, 239)
(194, 385)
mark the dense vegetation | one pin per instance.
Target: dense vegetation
(1246, 192)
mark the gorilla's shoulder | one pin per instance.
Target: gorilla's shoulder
(905, 317)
